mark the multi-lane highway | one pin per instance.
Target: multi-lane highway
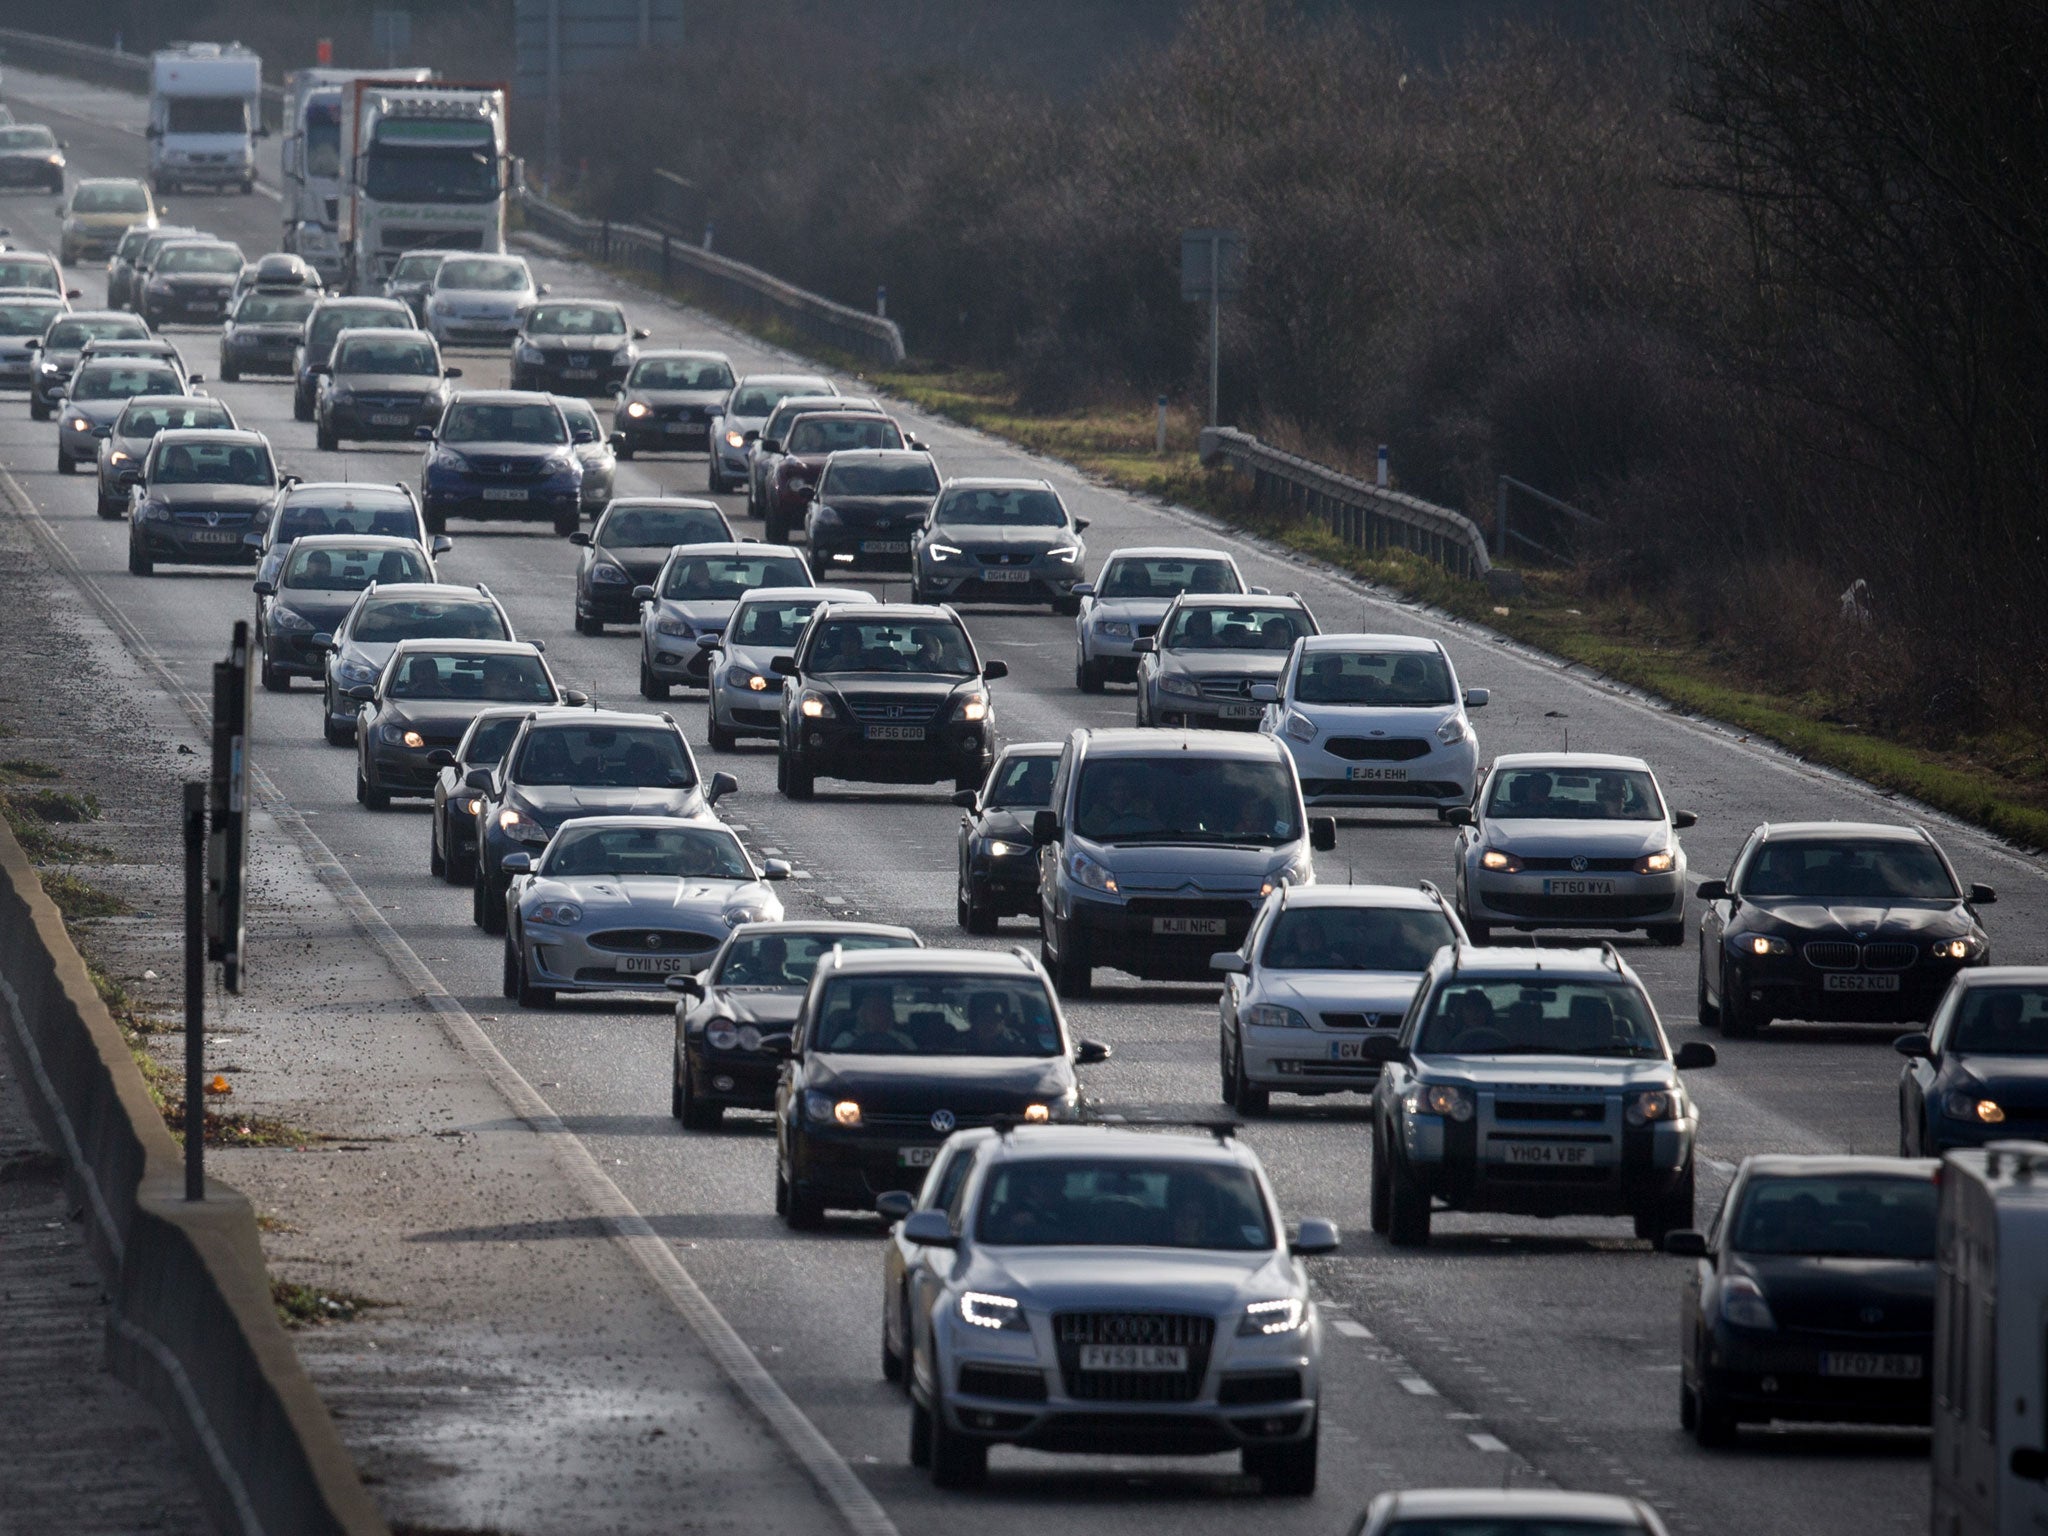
(1554, 1340)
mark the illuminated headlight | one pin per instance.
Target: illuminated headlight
(679, 629)
(1266, 1317)
(1446, 1099)
(824, 1109)
(1501, 860)
(1066, 554)
(519, 825)
(998, 849)
(1654, 1104)
(984, 1310)
(1272, 1016)
(399, 736)
(636, 409)
(609, 575)
(974, 706)
(1958, 949)
(1657, 863)
(563, 912)
(753, 682)
(1766, 944)
(116, 456)
(1453, 731)
(1300, 727)
(815, 706)
(79, 424)
(1182, 687)
(1090, 874)
(735, 439)
(1113, 629)
(1037, 1114)
(1963, 1105)
(290, 621)
(467, 807)
(1300, 872)
(942, 552)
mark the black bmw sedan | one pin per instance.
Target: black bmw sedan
(998, 874)
(894, 1051)
(1835, 920)
(1980, 1071)
(1813, 1297)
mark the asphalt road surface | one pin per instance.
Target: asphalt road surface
(1514, 1348)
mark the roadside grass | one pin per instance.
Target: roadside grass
(32, 815)
(304, 1306)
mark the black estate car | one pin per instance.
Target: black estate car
(1979, 1072)
(451, 845)
(200, 492)
(998, 875)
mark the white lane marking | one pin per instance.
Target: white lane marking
(1415, 1386)
(1489, 1443)
(1350, 1329)
(850, 1497)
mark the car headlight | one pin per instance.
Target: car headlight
(815, 706)
(1267, 1317)
(449, 459)
(735, 439)
(1743, 1304)
(1090, 874)
(290, 621)
(1037, 1114)
(354, 673)
(942, 552)
(609, 575)
(116, 456)
(1653, 1104)
(1272, 1016)
(677, 629)
(720, 1035)
(999, 849)
(1764, 944)
(1961, 1104)
(527, 352)
(403, 736)
(1446, 1099)
(560, 463)
(984, 1309)
(467, 807)
(1113, 629)
(636, 409)
(753, 682)
(1066, 554)
(824, 1109)
(1182, 687)
(1967, 948)
(1500, 859)
(1453, 731)
(734, 916)
(1300, 727)
(1299, 872)
(156, 512)
(521, 827)
(974, 706)
(1660, 863)
(562, 912)
(79, 424)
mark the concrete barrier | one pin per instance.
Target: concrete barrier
(192, 1325)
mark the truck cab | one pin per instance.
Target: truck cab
(205, 115)
(310, 157)
(422, 166)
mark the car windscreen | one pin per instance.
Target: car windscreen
(680, 852)
(604, 757)
(1842, 1215)
(680, 373)
(1513, 1525)
(1355, 939)
(323, 139)
(771, 621)
(367, 354)
(212, 259)
(25, 317)
(842, 434)
(131, 243)
(145, 421)
(2001, 1021)
(1235, 629)
(579, 416)
(726, 578)
(1004, 508)
(890, 645)
(501, 679)
(27, 272)
(28, 136)
(389, 620)
(120, 381)
(1182, 798)
(758, 399)
(206, 114)
(110, 197)
(477, 421)
(1022, 781)
(351, 570)
(1521, 1017)
(626, 526)
(1848, 869)
(924, 1015)
(393, 519)
(481, 274)
(327, 324)
(488, 739)
(914, 478)
(576, 320)
(1574, 794)
(1375, 679)
(786, 960)
(1123, 1203)
(274, 308)
(74, 331)
(212, 463)
(1162, 580)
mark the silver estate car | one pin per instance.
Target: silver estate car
(1571, 840)
(1128, 598)
(1507, 1512)
(622, 903)
(476, 300)
(1081, 1288)
(1211, 653)
(746, 410)
(745, 690)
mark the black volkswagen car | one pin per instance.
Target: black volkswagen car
(379, 382)
(868, 505)
(451, 845)
(889, 693)
(1812, 1296)
(998, 875)
(200, 492)
(1979, 1072)
(897, 1049)
(1835, 920)
(574, 347)
(425, 698)
(262, 331)
(627, 549)
(669, 400)
(733, 1019)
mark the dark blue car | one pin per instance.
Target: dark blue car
(1979, 1072)
(502, 453)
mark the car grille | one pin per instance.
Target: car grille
(1263, 1387)
(1225, 687)
(1577, 866)
(883, 709)
(1170, 906)
(1594, 1113)
(1841, 955)
(1360, 749)
(653, 941)
(683, 413)
(1359, 1020)
(1071, 1330)
(1587, 908)
(1008, 557)
(199, 518)
(1889, 957)
(920, 1121)
(387, 402)
(507, 469)
(1018, 1386)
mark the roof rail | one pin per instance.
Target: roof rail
(1023, 952)
(1222, 1126)
(1609, 955)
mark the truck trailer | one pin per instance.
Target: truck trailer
(423, 166)
(311, 159)
(205, 115)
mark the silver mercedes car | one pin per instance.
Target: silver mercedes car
(1200, 670)
(621, 903)
(745, 691)
(1126, 601)
(745, 412)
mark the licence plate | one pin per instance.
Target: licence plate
(1134, 1357)
(650, 965)
(1547, 1154)
(1347, 1050)
(885, 546)
(1382, 775)
(217, 536)
(389, 419)
(1242, 711)
(1196, 926)
(678, 428)
(915, 1157)
(1879, 1367)
(495, 494)
(579, 373)
(895, 733)
(1859, 984)
(1578, 887)
(1001, 575)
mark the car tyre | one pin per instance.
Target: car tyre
(1285, 1471)
(695, 1113)
(110, 510)
(567, 523)
(798, 782)
(302, 408)
(228, 372)
(958, 1461)
(892, 1360)
(1252, 1100)
(651, 687)
(588, 626)
(37, 411)
(437, 862)
(625, 449)
(1067, 607)
(1407, 1210)
(493, 903)
(369, 795)
(1713, 1425)
(528, 996)
(1072, 976)
(1477, 932)
(1380, 1203)
(139, 564)
(802, 1211)
(276, 679)
(920, 1434)
(1709, 1016)
(1673, 1213)
(65, 464)
(436, 521)
(975, 916)
(325, 440)
(722, 738)
(1088, 675)
(1739, 1021)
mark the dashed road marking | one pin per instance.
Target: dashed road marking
(1350, 1329)
(1484, 1442)
(1415, 1386)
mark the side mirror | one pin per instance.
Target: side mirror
(929, 1229)
(74, 293)
(1045, 827)
(895, 1205)
(1088, 1053)
(264, 588)
(580, 538)
(576, 698)
(643, 594)
(1314, 1236)
(1683, 819)
(440, 544)
(423, 434)
(1080, 525)
(1082, 589)
(776, 869)
(363, 693)
(750, 436)
(1712, 890)
(617, 441)
(2029, 1463)
(254, 539)
(545, 289)
(1693, 1055)
(1265, 693)
(517, 864)
(711, 642)
(1322, 833)
(323, 641)
(1461, 816)
(782, 666)
(583, 435)
(685, 982)
(771, 445)
(1382, 1048)
(195, 378)
(441, 757)
(641, 333)
(1228, 961)
(1686, 1243)
(477, 778)
(1982, 896)
(722, 784)
(966, 799)
(319, 368)
(1478, 698)
(992, 670)
(1144, 645)
(451, 373)
(1916, 1045)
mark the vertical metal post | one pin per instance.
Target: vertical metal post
(1162, 427)
(667, 266)
(707, 237)
(195, 990)
(1382, 482)
(882, 301)
(551, 122)
(1215, 324)
(1500, 519)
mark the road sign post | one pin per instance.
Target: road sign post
(195, 991)
(1212, 270)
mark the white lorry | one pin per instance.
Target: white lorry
(1990, 1368)
(205, 115)
(311, 159)
(423, 166)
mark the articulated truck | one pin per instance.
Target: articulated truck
(423, 167)
(311, 159)
(205, 115)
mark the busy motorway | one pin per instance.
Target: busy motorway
(1553, 1344)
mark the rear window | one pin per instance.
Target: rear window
(727, 578)
(1849, 1216)
(351, 570)
(426, 618)
(390, 519)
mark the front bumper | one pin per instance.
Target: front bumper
(89, 244)
(1112, 654)
(732, 462)
(541, 499)
(846, 1169)
(257, 353)
(741, 1079)
(1009, 884)
(657, 433)
(747, 712)
(1309, 1060)
(81, 447)
(361, 420)
(576, 960)
(1789, 988)
(1178, 711)
(1527, 900)
(48, 384)
(1780, 1376)
(860, 549)
(835, 749)
(402, 770)
(1145, 935)
(597, 375)
(218, 171)
(1465, 1163)
(17, 370)
(610, 602)
(473, 331)
(1439, 778)
(185, 544)
(969, 581)
(294, 653)
(204, 306)
(116, 483)
(676, 659)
